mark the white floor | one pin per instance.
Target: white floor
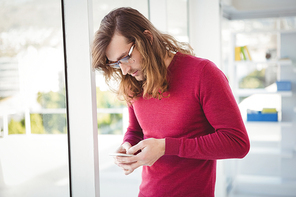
(37, 166)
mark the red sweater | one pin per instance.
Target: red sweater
(200, 121)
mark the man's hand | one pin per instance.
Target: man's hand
(124, 148)
(150, 151)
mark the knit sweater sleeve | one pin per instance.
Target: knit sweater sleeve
(134, 132)
(230, 139)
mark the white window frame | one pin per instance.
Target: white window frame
(81, 98)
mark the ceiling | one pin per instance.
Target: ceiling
(247, 9)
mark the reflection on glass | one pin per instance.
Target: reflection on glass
(32, 100)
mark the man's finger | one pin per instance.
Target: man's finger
(126, 160)
(126, 146)
(135, 148)
(130, 167)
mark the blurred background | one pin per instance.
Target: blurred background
(252, 42)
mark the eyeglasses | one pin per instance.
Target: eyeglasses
(123, 60)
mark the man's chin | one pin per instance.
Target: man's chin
(139, 78)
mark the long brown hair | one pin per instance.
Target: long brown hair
(131, 24)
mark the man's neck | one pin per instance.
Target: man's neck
(168, 59)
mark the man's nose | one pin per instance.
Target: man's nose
(124, 68)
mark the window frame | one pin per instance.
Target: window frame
(80, 98)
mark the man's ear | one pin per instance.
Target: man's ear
(148, 34)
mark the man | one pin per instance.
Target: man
(182, 114)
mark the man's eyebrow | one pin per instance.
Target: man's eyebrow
(120, 57)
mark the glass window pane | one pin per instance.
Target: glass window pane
(33, 137)
(112, 117)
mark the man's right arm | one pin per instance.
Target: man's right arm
(134, 133)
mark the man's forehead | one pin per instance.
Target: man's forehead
(117, 48)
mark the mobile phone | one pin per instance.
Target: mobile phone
(120, 154)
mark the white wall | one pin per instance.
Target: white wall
(205, 29)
